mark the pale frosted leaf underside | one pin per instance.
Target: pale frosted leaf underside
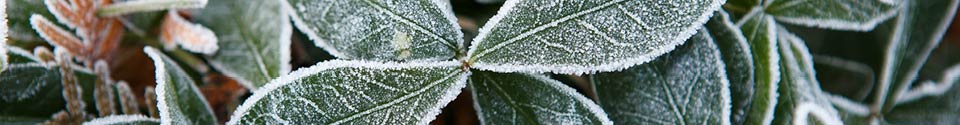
(686, 86)
(920, 28)
(585, 36)
(355, 92)
(254, 39)
(801, 100)
(123, 120)
(736, 54)
(179, 101)
(400, 30)
(517, 98)
(760, 31)
(857, 15)
(29, 88)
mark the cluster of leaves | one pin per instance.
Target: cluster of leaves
(401, 61)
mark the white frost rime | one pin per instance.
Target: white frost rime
(365, 29)
(523, 98)
(355, 92)
(687, 86)
(585, 36)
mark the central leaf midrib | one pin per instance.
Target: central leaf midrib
(396, 100)
(531, 31)
(247, 44)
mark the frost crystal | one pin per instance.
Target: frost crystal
(527, 98)
(365, 29)
(355, 92)
(585, 36)
(686, 86)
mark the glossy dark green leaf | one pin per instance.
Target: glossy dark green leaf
(517, 98)
(254, 36)
(355, 92)
(686, 86)
(179, 101)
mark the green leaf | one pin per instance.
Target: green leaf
(124, 120)
(400, 30)
(943, 108)
(355, 92)
(254, 39)
(687, 86)
(741, 5)
(577, 37)
(18, 15)
(760, 31)
(31, 90)
(857, 15)
(801, 101)
(921, 27)
(179, 101)
(736, 54)
(531, 99)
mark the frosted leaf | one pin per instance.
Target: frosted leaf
(585, 36)
(3, 36)
(179, 101)
(686, 86)
(19, 55)
(760, 31)
(800, 100)
(920, 28)
(134, 6)
(254, 39)
(355, 92)
(741, 5)
(518, 98)
(940, 107)
(369, 29)
(29, 88)
(857, 15)
(176, 31)
(123, 120)
(736, 54)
